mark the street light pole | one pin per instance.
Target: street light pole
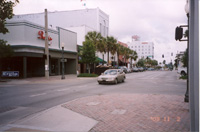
(186, 99)
(63, 66)
(46, 47)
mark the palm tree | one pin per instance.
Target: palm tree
(113, 49)
(133, 56)
(109, 45)
(119, 51)
(101, 47)
(94, 37)
(123, 53)
(126, 53)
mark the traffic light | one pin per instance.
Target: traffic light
(163, 56)
(178, 33)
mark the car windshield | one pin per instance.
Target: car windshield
(110, 72)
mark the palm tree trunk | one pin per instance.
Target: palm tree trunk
(103, 58)
(108, 58)
(117, 59)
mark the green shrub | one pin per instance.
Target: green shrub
(87, 75)
(183, 77)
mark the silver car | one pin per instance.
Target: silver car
(112, 76)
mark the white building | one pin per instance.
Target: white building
(79, 21)
(143, 49)
(27, 41)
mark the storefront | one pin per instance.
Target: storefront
(27, 41)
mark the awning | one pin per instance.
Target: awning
(101, 60)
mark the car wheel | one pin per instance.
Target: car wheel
(116, 81)
(123, 79)
(99, 82)
(183, 73)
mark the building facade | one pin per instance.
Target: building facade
(79, 21)
(27, 41)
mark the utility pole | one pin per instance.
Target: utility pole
(46, 47)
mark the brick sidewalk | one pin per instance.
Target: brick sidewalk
(134, 112)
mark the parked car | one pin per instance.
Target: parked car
(129, 70)
(150, 69)
(182, 71)
(112, 76)
(135, 69)
(124, 68)
(141, 69)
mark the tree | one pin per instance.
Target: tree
(118, 50)
(88, 53)
(6, 12)
(133, 56)
(109, 44)
(154, 62)
(101, 47)
(184, 59)
(94, 37)
(164, 62)
(113, 50)
(141, 62)
(5, 50)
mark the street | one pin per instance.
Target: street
(22, 99)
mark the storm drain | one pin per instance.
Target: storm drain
(6, 108)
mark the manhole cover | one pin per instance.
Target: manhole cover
(6, 108)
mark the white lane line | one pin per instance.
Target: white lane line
(82, 86)
(60, 90)
(35, 95)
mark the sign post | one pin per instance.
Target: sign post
(46, 47)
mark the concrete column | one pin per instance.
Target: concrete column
(24, 67)
(194, 56)
(59, 66)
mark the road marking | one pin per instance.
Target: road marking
(82, 86)
(60, 90)
(35, 95)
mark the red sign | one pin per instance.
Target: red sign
(41, 36)
(144, 42)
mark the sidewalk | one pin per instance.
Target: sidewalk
(33, 80)
(112, 113)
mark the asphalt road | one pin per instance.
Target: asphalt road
(20, 100)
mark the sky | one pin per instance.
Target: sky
(153, 20)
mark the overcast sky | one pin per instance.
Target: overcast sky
(152, 20)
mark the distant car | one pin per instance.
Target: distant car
(135, 69)
(129, 70)
(140, 69)
(150, 69)
(182, 71)
(124, 68)
(112, 76)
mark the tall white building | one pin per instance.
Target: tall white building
(143, 49)
(79, 21)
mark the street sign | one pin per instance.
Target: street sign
(63, 60)
(10, 74)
